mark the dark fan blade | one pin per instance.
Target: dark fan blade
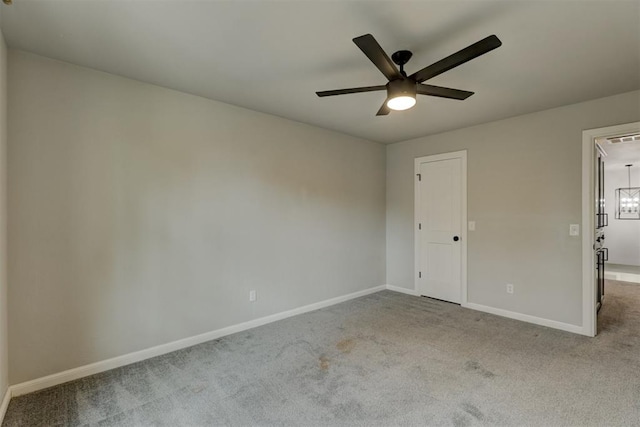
(458, 58)
(350, 90)
(374, 52)
(443, 92)
(384, 110)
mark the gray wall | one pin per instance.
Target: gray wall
(524, 189)
(4, 351)
(140, 215)
(622, 236)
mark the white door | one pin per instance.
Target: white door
(440, 215)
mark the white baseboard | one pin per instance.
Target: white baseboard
(624, 277)
(505, 313)
(526, 318)
(403, 290)
(127, 359)
(5, 404)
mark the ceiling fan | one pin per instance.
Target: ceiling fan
(402, 89)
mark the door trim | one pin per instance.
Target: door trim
(589, 317)
(462, 155)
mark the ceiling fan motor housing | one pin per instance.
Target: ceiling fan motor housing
(401, 87)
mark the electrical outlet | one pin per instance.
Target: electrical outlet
(252, 296)
(472, 225)
(509, 288)
(574, 229)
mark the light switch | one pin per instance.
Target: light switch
(472, 225)
(574, 229)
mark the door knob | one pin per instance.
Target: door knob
(456, 238)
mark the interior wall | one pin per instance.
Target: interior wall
(622, 237)
(140, 215)
(524, 189)
(4, 349)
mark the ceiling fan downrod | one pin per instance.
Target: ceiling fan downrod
(401, 57)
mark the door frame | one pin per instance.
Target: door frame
(589, 136)
(462, 155)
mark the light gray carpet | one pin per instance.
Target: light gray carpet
(384, 359)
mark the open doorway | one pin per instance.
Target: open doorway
(611, 224)
(622, 205)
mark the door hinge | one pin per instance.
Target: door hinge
(419, 274)
(419, 226)
(419, 176)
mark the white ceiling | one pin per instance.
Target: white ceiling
(271, 56)
(621, 154)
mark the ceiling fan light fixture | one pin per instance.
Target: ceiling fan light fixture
(402, 102)
(401, 94)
